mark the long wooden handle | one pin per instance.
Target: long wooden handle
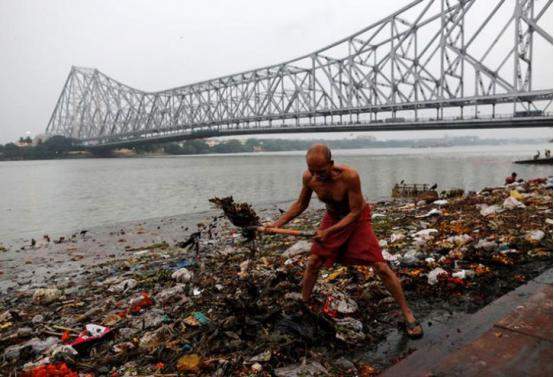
(290, 232)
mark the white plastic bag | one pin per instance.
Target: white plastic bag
(433, 275)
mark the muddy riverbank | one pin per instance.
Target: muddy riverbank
(80, 249)
(208, 306)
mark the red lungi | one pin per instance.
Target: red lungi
(354, 244)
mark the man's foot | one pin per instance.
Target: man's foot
(312, 306)
(413, 329)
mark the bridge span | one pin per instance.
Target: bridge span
(433, 64)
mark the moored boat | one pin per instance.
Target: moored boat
(537, 161)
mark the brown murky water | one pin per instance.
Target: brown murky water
(38, 197)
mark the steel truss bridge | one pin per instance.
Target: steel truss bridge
(434, 64)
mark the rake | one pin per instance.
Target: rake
(243, 216)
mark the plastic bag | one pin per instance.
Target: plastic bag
(349, 330)
(305, 369)
(46, 295)
(123, 286)
(182, 275)
(511, 203)
(433, 276)
(534, 236)
(189, 363)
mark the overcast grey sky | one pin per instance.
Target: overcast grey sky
(158, 44)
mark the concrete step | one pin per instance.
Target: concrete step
(512, 336)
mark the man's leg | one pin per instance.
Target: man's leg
(310, 276)
(392, 283)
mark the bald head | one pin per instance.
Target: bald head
(319, 161)
(319, 152)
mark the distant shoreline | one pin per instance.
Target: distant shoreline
(344, 144)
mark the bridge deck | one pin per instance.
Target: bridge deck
(500, 123)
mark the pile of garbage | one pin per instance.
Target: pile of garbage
(239, 214)
(218, 312)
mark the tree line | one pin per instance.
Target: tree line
(54, 147)
(63, 147)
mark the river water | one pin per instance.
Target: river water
(39, 197)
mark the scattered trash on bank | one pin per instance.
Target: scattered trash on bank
(206, 307)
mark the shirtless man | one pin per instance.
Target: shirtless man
(345, 233)
(510, 179)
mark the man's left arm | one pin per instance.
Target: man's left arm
(356, 202)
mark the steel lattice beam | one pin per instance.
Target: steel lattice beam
(422, 57)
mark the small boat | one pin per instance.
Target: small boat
(537, 161)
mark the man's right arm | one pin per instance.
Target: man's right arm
(299, 205)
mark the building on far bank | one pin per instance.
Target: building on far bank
(212, 143)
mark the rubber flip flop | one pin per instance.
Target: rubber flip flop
(412, 326)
